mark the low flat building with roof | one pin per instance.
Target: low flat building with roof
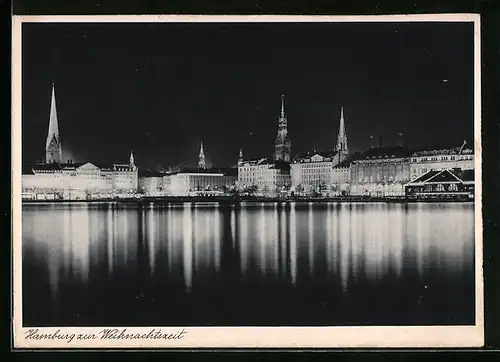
(442, 184)
(199, 182)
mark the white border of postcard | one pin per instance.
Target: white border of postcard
(242, 337)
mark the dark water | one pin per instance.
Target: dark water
(321, 264)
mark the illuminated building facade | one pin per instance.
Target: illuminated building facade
(80, 181)
(313, 171)
(422, 162)
(56, 179)
(380, 172)
(264, 176)
(341, 179)
(151, 183)
(209, 182)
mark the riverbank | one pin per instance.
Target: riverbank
(235, 200)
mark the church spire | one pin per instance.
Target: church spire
(53, 151)
(282, 106)
(342, 136)
(201, 158)
(283, 144)
(131, 159)
(53, 124)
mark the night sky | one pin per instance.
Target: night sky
(160, 89)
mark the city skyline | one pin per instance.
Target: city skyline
(119, 117)
(232, 171)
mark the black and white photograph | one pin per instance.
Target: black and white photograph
(247, 181)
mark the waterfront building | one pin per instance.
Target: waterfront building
(447, 183)
(341, 178)
(198, 182)
(314, 171)
(424, 161)
(83, 180)
(380, 172)
(56, 179)
(283, 143)
(151, 183)
(125, 176)
(263, 176)
(185, 180)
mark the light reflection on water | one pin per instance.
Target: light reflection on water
(299, 243)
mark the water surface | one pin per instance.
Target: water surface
(261, 264)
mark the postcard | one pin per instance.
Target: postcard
(247, 181)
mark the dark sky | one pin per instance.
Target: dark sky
(160, 89)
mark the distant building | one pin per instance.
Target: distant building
(197, 182)
(283, 143)
(264, 176)
(56, 179)
(424, 161)
(77, 181)
(341, 178)
(151, 183)
(313, 171)
(381, 171)
(448, 183)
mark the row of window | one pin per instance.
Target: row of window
(274, 177)
(322, 164)
(317, 171)
(313, 177)
(443, 158)
(379, 178)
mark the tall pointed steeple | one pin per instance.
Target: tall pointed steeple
(283, 144)
(201, 158)
(282, 106)
(53, 150)
(132, 160)
(341, 146)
